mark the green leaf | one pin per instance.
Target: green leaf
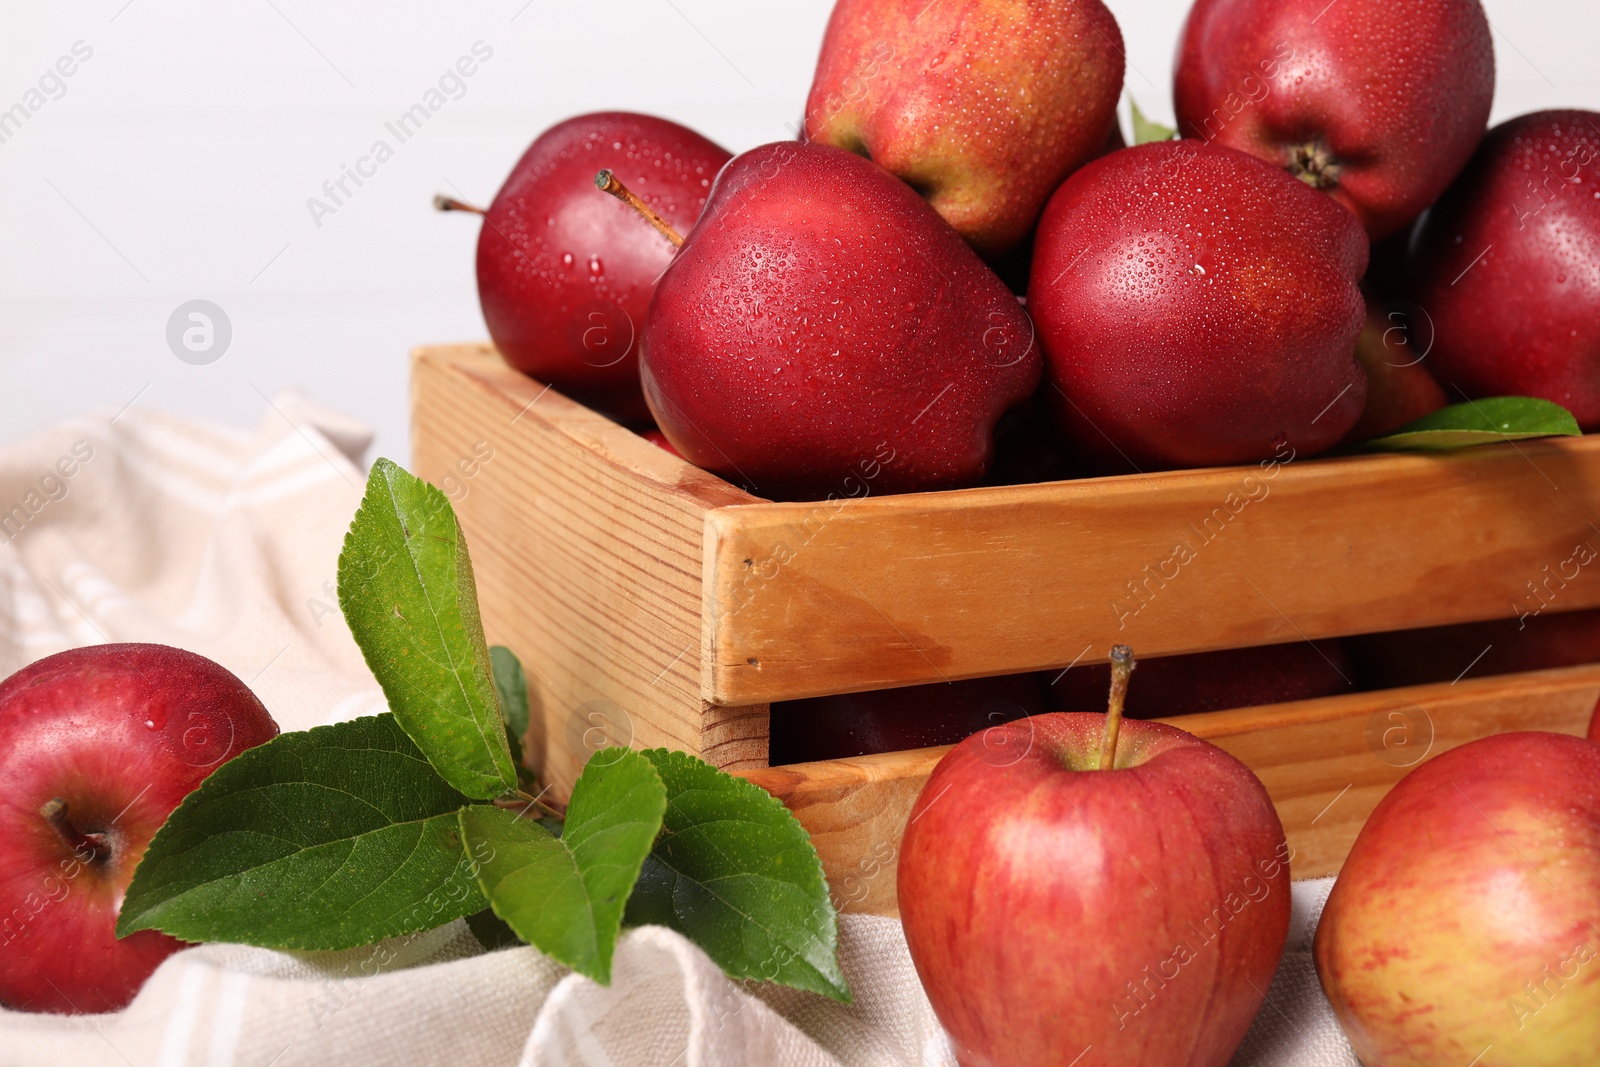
(565, 895)
(1480, 422)
(511, 686)
(406, 589)
(736, 873)
(329, 838)
(1145, 131)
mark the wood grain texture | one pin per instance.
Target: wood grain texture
(1326, 764)
(587, 542)
(810, 599)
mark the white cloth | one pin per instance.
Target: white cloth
(225, 543)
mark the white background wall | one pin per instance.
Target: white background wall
(179, 160)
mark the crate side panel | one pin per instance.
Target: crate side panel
(839, 596)
(587, 544)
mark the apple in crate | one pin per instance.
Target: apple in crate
(981, 106)
(1465, 924)
(564, 276)
(1377, 102)
(1197, 307)
(1516, 242)
(1078, 890)
(97, 746)
(893, 720)
(823, 331)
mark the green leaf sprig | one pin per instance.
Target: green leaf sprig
(1479, 422)
(350, 833)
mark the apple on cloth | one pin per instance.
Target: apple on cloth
(1465, 924)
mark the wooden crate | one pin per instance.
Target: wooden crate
(655, 604)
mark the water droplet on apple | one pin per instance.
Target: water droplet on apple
(595, 266)
(567, 260)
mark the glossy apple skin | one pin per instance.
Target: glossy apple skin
(824, 332)
(983, 106)
(1036, 892)
(1210, 681)
(122, 733)
(1400, 389)
(1529, 205)
(1197, 308)
(1476, 873)
(1394, 94)
(895, 720)
(1497, 646)
(565, 272)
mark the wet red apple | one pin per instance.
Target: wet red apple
(1392, 350)
(1377, 102)
(1197, 307)
(823, 332)
(981, 106)
(1507, 264)
(564, 275)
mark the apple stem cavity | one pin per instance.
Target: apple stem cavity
(90, 847)
(450, 203)
(1314, 164)
(1121, 669)
(607, 182)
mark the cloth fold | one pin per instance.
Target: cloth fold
(146, 527)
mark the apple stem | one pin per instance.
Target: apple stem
(1121, 668)
(1314, 164)
(95, 844)
(450, 203)
(607, 182)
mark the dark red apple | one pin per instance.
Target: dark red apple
(982, 107)
(1465, 924)
(564, 275)
(823, 331)
(1378, 102)
(1534, 642)
(1197, 307)
(97, 746)
(1507, 264)
(1400, 390)
(1062, 914)
(1211, 681)
(892, 720)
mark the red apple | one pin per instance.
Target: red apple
(1535, 642)
(981, 106)
(1507, 264)
(1378, 102)
(1211, 681)
(823, 331)
(564, 275)
(1062, 914)
(892, 720)
(97, 746)
(1399, 388)
(1197, 307)
(1465, 924)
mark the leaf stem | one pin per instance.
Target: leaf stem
(521, 801)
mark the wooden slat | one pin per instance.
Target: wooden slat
(587, 544)
(811, 599)
(1325, 762)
